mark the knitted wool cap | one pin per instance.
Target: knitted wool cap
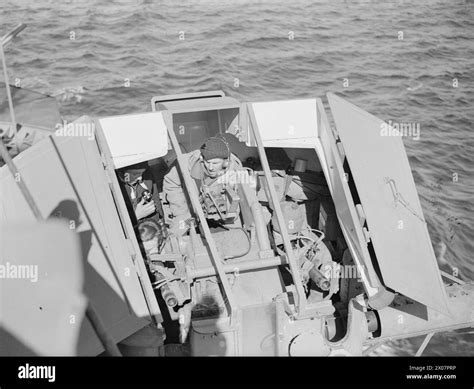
(215, 148)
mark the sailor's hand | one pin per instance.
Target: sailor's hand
(144, 209)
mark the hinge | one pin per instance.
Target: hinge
(102, 158)
(361, 214)
(133, 254)
(366, 234)
(340, 149)
(104, 165)
(362, 219)
(131, 250)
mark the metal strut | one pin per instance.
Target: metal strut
(294, 268)
(190, 185)
(5, 40)
(424, 344)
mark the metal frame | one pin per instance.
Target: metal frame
(239, 267)
(294, 268)
(184, 96)
(361, 257)
(130, 237)
(190, 185)
(201, 105)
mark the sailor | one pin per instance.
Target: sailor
(150, 235)
(210, 166)
(141, 191)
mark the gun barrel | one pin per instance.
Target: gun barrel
(319, 279)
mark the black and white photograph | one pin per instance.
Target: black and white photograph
(237, 178)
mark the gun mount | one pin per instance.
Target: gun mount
(313, 262)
